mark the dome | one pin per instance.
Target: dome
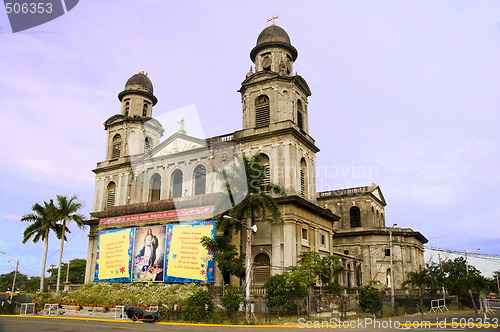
(273, 33)
(273, 36)
(139, 84)
(139, 81)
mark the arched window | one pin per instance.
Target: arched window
(127, 108)
(116, 146)
(355, 217)
(261, 268)
(266, 179)
(145, 110)
(303, 179)
(300, 115)
(148, 143)
(200, 180)
(155, 188)
(177, 183)
(110, 194)
(262, 111)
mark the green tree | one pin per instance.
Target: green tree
(420, 280)
(277, 293)
(231, 301)
(23, 282)
(370, 298)
(67, 209)
(246, 182)
(76, 271)
(44, 219)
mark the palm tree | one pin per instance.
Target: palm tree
(44, 219)
(419, 280)
(66, 212)
(249, 188)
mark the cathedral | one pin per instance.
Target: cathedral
(147, 180)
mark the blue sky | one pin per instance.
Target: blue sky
(405, 89)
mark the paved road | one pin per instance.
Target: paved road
(22, 324)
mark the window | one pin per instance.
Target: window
(116, 146)
(262, 111)
(323, 240)
(266, 179)
(303, 180)
(355, 217)
(200, 180)
(346, 252)
(145, 110)
(261, 268)
(148, 143)
(127, 108)
(177, 183)
(387, 252)
(304, 234)
(155, 188)
(110, 197)
(300, 114)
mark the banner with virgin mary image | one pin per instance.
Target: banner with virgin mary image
(148, 256)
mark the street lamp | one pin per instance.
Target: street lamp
(247, 265)
(392, 271)
(466, 264)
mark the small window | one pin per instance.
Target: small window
(177, 179)
(304, 234)
(300, 115)
(355, 215)
(155, 188)
(346, 252)
(110, 197)
(116, 146)
(303, 180)
(127, 108)
(200, 180)
(266, 179)
(323, 240)
(387, 252)
(262, 111)
(148, 143)
(145, 110)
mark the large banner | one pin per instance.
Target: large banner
(169, 253)
(114, 255)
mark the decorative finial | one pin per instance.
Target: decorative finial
(272, 19)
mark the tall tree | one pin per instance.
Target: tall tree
(250, 190)
(67, 209)
(44, 219)
(419, 280)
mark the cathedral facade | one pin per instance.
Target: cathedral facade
(146, 180)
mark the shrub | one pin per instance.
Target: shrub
(370, 298)
(231, 300)
(199, 306)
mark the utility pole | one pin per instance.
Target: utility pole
(14, 281)
(67, 273)
(467, 270)
(248, 265)
(393, 306)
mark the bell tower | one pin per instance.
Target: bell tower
(275, 114)
(133, 131)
